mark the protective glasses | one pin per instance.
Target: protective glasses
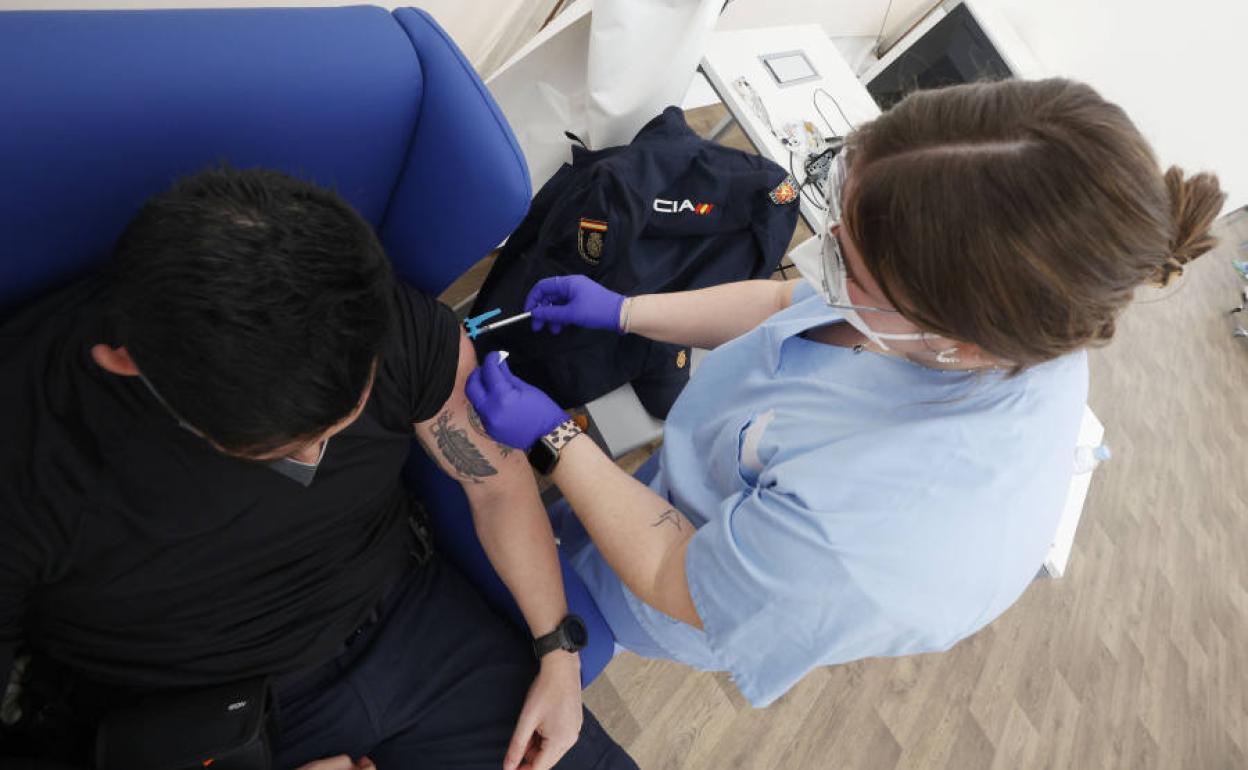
(835, 274)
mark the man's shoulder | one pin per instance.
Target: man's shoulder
(43, 326)
(418, 363)
(42, 350)
(56, 303)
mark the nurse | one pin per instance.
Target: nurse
(872, 460)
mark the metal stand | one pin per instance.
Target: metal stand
(721, 127)
(1240, 331)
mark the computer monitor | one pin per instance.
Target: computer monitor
(957, 47)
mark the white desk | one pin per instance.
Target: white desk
(731, 55)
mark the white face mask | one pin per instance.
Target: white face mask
(826, 272)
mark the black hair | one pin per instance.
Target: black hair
(254, 302)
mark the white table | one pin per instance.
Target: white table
(735, 54)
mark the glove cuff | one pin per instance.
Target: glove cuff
(626, 307)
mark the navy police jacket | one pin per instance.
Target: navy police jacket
(667, 212)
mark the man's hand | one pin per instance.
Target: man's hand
(340, 762)
(551, 718)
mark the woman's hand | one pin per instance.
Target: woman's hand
(574, 300)
(512, 411)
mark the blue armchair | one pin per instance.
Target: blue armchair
(101, 109)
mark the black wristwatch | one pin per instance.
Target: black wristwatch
(544, 454)
(570, 635)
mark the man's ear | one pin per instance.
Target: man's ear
(114, 360)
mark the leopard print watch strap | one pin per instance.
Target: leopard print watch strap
(562, 434)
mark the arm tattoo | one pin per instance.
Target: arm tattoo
(670, 516)
(474, 419)
(459, 451)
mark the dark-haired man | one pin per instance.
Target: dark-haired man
(200, 484)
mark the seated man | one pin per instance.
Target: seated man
(200, 483)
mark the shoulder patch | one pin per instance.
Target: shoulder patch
(589, 238)
(785, 192)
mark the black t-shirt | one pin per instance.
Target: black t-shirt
(134, 552)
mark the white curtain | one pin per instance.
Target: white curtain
(642, 56)
(601, 70)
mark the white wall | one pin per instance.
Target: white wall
(839, 18)
(1177, 68)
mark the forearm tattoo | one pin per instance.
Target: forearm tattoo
(474, 419)
(459, 451)
(670, 516)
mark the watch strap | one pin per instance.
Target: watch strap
(562, 433)
(549, 643)
(569, 635)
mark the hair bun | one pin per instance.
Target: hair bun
(1195, 203)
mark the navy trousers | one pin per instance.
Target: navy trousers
(436, 681)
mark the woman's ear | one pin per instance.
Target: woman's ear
(973, 355)
(114, 360)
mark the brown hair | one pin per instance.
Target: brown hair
(1019, 216)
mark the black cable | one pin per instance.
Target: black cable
(801, 186)
(814, 100)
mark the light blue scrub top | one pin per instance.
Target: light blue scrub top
(848, 505)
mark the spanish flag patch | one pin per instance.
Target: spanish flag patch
(589, 240)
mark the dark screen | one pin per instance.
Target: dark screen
(954, 51)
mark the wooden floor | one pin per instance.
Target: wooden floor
(1136, 659)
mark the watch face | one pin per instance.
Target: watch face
(543, 457)
(576, 632)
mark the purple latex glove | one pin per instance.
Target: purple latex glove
(575, 300)
(512, 411)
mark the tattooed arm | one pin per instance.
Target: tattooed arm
(506, 508)
(515, 533)
(640, 534)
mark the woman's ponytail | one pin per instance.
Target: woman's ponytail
(1194, 203)
(1019, 215)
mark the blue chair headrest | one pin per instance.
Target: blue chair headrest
(104, 108)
